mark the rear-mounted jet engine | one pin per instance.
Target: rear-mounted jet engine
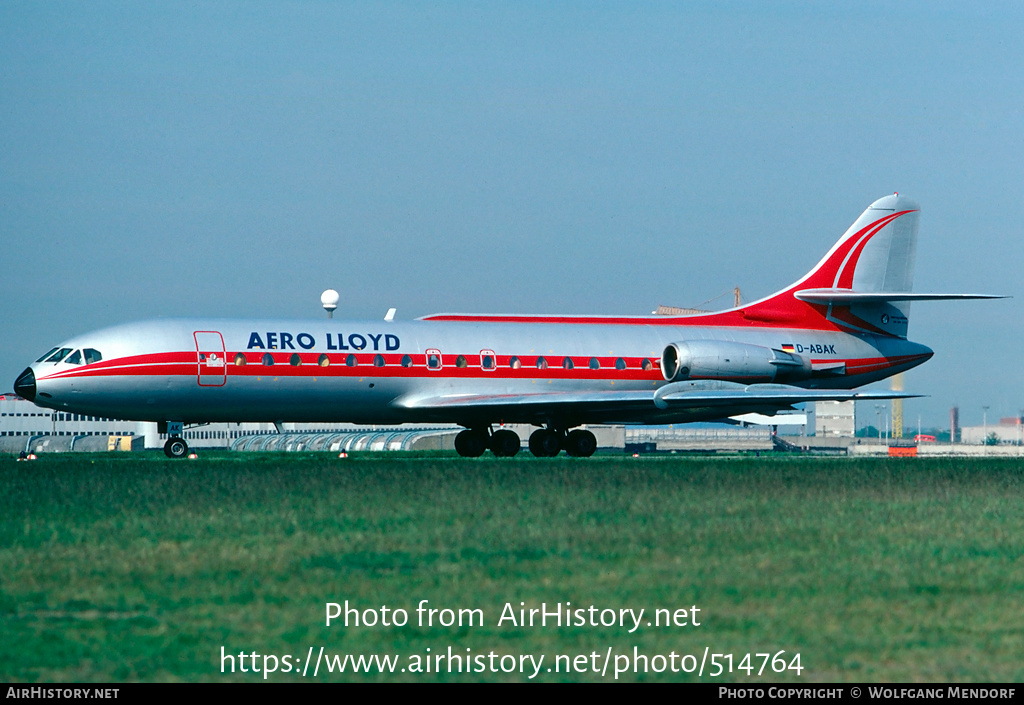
(738, 362)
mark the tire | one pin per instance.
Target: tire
(545, 443)
(176, 447)
(580, 443)
(470, 444)
(505, 443)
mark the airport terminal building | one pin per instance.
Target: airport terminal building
(27, 427)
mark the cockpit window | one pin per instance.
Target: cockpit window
(74, 358)
(52, 351)
(91, 356)
(59, 355)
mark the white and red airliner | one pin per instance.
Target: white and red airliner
(841, 326)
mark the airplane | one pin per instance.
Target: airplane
(841, 326)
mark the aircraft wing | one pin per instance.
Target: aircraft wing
(681, 400)
(764, 394)
(617, 399)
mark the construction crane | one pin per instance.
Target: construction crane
(897, 406)
(679, 311)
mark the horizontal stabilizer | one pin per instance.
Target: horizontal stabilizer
(849, 296)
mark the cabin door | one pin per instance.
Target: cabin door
(213, 370)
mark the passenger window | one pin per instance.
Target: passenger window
(378, 360)
(268, 360)
(52, 351)
(74, 358)
(406, 361)
(240, 360)
(514, 363)
(433, 359)
(460, 361)
(324, 361)
(542, 364)
(595, 364)
(350, 360)
(647, 365)
(295, 360)
(487, 361)
(620, 364)
(92, 356)
(567, 363)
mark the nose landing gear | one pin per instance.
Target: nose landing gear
(175, 447)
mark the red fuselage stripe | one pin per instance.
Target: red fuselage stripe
(186, 364)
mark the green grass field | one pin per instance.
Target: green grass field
(133, 567)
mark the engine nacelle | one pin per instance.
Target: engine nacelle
(738, 362)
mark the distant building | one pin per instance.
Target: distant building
(25, 426)
(835, 419)
(21, 421)
(1009, 431)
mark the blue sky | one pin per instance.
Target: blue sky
(235, 159)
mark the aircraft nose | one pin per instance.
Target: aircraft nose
(25, 385)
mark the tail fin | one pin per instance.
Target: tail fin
(875, 255)
(862, 285)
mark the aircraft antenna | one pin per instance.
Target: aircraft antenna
(330, 299)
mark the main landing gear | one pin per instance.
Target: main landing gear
(580, 443)
(544, 443)
(472, 443)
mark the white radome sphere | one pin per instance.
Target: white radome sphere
(330, 299)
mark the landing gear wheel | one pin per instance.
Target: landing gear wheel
(580, 443)
(470, 444)
(505, 443)
(175, 447)
(545, 443)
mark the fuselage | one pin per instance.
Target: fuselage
(208, 370)
(842, 325)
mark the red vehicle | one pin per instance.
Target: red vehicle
(924, 438)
